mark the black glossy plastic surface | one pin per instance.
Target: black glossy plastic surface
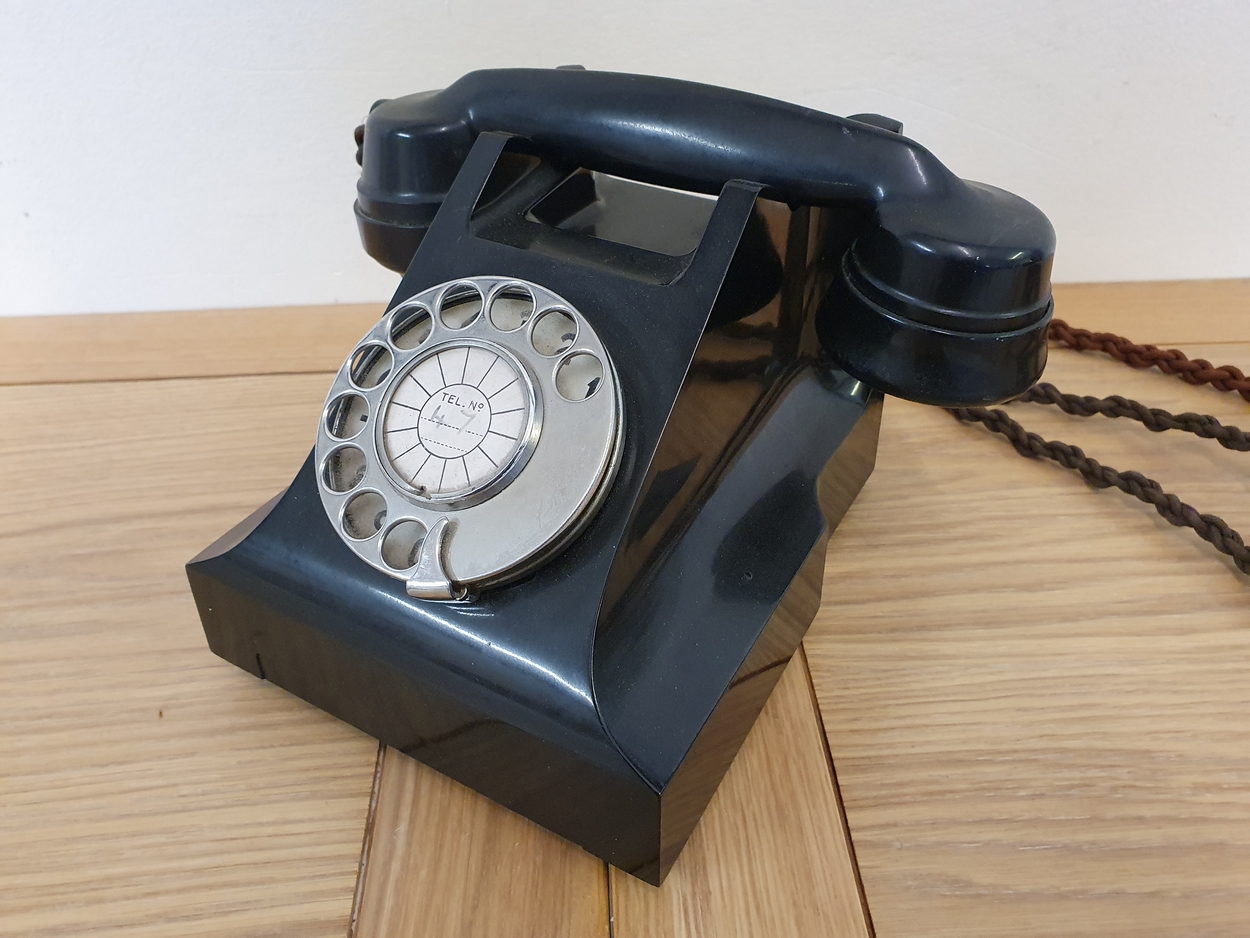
(943, 298)
(606, 695)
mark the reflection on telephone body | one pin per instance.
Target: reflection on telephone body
(565, 518)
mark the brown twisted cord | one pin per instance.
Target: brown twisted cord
(1169, 361)
(1153, 418)
(1210, 528)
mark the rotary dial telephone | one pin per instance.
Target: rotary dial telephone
(565, 517)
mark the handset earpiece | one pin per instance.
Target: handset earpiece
(947, 301)
(944, 299)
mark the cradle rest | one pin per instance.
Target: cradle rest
(944, 294)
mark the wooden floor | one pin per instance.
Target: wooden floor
(1036, 697)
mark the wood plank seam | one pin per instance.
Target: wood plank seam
(366, 840)
(157, 379)
(837, 792)
(293, 340)
(140, 379)
(607, 876)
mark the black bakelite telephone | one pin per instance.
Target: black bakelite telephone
(564, 522)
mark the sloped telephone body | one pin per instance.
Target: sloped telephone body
(603, 684)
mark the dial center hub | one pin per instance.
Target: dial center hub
(457, 419)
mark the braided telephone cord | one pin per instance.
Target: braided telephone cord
(1153, 418)
(1169, 361)
(1210, 528)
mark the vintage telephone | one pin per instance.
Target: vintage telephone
(565, 518)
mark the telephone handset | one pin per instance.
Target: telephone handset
(565, 518)
(947, 287)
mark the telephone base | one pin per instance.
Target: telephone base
(604, 694)
(281, 598)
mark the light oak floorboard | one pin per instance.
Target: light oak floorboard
(1161, 312)
(1036, 694)
(187, 344)
(443, 860)
(147, 788)
(244, 814)
(770, 855)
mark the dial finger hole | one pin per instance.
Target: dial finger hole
(370, 366)
(401, 546)
(578, 377)
(364, 515)
(410, 327)
(554, 332)
(461, 305)
(344, 468)
(511, 308)
(346, 416)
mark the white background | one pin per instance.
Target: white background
(197, 155)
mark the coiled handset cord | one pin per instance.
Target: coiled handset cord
(1227, 378)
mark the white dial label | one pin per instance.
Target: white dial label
(456, 420)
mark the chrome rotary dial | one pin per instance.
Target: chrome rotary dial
(470, 436)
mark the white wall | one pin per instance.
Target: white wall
(160, 155)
